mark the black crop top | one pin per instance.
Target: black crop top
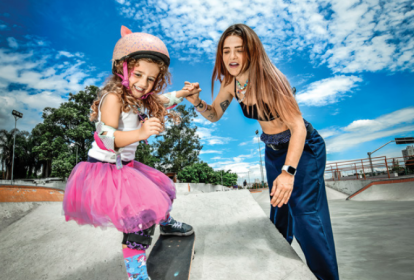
(253, 109)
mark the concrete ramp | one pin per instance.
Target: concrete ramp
(234, 240)
(332, 194)
(403, 191)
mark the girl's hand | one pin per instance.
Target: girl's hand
(151, 126)
(282, 189)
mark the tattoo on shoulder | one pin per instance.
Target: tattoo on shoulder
(224, 105)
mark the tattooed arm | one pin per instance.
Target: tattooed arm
(215, 111)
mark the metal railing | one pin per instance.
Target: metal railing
(364, 169)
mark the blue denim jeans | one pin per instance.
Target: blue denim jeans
(306, 216)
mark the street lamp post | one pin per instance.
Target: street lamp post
(17, 115)
(398, 141)
(248, 172)
(260, 154)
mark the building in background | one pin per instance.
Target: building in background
(408, 152)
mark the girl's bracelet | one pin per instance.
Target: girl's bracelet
(205, 104)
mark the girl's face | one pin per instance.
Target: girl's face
(143, 77)
(234, 55)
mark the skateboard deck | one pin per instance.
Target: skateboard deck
(171, 258)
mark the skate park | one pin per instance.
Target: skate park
(234, 236)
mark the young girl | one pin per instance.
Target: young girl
(112, 189)
(295, 152)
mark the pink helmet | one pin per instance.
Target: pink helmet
(139, 45)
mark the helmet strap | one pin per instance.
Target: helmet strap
(125, 78)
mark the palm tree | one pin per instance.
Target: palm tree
(32, 164)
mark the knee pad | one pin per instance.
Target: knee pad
(140, 239)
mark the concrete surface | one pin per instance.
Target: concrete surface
(332, 194)
(39, 182)
(347, 186)
(234, 240)
(199, 188)
(393, 192)
(373, 239)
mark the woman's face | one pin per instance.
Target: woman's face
(234, 55)
(143, 77)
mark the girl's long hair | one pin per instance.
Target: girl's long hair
(264, 77)
(152, 103)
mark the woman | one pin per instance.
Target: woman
(295, 153)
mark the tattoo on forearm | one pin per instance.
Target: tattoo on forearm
(200, 105)
(208, 108)
(224, 105)
(211, 116)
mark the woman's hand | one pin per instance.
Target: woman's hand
(282, 189)
(151, 126)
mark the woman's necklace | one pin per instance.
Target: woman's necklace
(241, 90)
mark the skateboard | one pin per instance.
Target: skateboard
(171, 258)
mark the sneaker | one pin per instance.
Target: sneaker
(176, 228)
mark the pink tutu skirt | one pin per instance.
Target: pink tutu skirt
(130, 199)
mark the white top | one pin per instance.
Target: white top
(127, 122)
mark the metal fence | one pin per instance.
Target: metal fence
(369, 169)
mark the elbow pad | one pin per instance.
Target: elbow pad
(174, 100)
(106, 141)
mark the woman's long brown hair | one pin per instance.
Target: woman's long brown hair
(264, 78)
(152, 103)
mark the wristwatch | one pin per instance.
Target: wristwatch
(289, 169)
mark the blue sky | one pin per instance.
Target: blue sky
(351, 62)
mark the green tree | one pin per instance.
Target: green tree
(179, 146)
(201, 172)
(64, 130)
(145, 154)
(229, 179)
(6, 157)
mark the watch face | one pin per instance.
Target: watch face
(291, 170)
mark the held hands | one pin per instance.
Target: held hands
(194, 92)
(282, 189)
(151, 126)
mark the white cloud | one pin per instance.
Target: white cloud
(210, 152)
(253, 141)
(397, 123)
(207, 137)
(349, 36)
(12, 43)
(245, 170)
(30, 105)
(328, 132)
(402, 116)
(327, 91)
(31, 79)
(202, 121)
